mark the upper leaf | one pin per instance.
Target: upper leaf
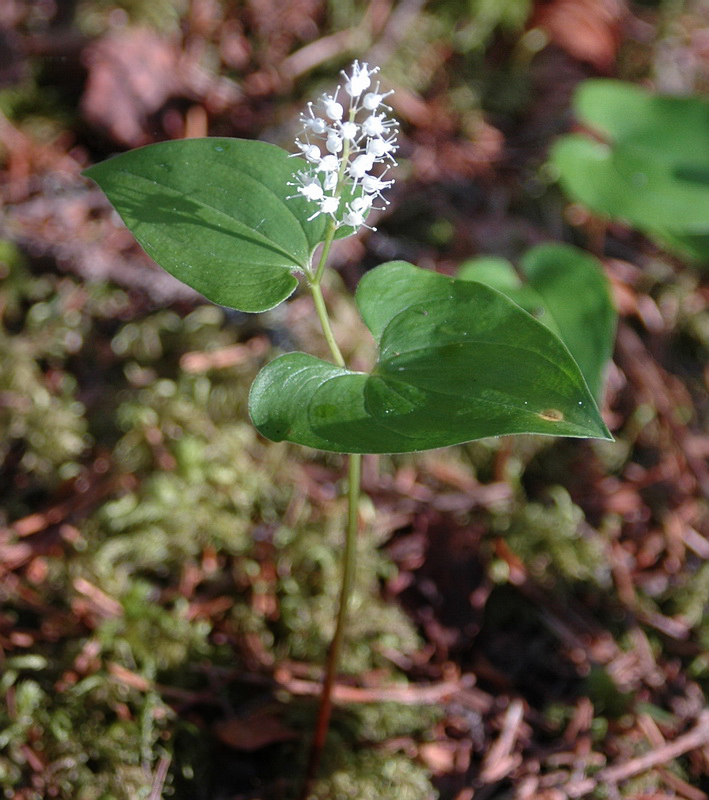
(214, 213)
(652, 169)
(567, 291)
(457, 361)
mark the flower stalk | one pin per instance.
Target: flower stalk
(348, 155)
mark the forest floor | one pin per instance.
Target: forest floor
(530, 613)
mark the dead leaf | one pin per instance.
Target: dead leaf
(252, 732)
(131, 75)
(439, 757)
(586, 29)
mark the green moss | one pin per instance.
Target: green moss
(43, 432)
(555, 542)
(47, 328)
(308, 566)
(607, 699)
(379, 722)
(356, 762)
(41, 422)
(96, 739)
(369, 775)
(191, 477)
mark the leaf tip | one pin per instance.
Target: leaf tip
(602, 431)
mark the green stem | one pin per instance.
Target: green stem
(321, 310)
(353, 490)
(325, 252)
(334, 655)
(320, 307)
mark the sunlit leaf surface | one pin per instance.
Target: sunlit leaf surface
(457, 361)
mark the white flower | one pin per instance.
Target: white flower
(361, 166)
(376, 125)
(362, 204)
(316, 125)
(352, 144)
(329, 164)
(381, 148)
(372, 100)
(308, 187)
(333, 109)
(328, 205)
(312, 191)
(373, 185)
(349, 130)
(310, 151)
(359, 80)
(333, 143)
(357, 212)
(354, 219)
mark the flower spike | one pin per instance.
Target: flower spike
(344, 146)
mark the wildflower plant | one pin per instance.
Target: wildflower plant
(646, 162)
(243, 221)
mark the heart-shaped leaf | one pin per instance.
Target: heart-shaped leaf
(457, 361)
(652, 167)
(214, 213)
(567, 291)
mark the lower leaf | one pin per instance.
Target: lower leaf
(458, 361)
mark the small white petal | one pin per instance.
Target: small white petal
(312, 123)
(361, 205)
(382, 148)
(372, 100)
(310, 151)
(373, 185)
(353, 219)
(311, 191)
(329, 164)
(334, 143)
(333, 109)
(374, 125)
(361, 166)
(349, 130)
(308, 186)
(357, 85)
(376, 147)
(359, 80)
(329, 205)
